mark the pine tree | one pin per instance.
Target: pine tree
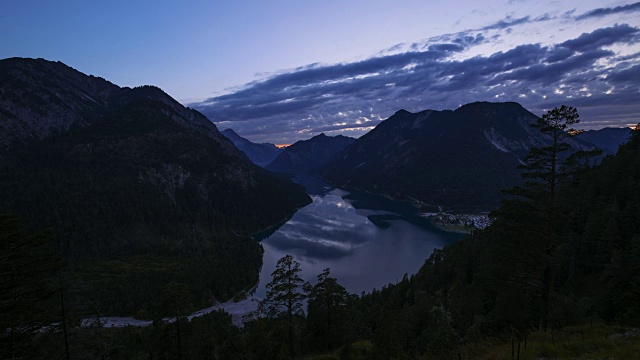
(284, 295)
(177, 303)
(533, 209)
(326, 308)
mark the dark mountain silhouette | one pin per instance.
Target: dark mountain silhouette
(40, 98)
(460, 158)
(607, 139)
(306, 155)
(119, 171)
(260, 154)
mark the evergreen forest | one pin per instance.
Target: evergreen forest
(556, 275)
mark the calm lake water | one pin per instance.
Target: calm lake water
(366, 240)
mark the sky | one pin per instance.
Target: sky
(284, 70)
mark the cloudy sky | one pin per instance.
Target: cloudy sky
(285, 70)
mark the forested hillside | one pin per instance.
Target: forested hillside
(136, 189)
(474, 295)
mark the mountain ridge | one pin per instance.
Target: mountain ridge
(68, 99)
(607, 139)
(261, 154)
(107, 141)
(306, 155)
(460, 158)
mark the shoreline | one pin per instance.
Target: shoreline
(237, 310)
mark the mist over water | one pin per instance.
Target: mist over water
(366, 240)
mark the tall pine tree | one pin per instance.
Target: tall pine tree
(531, 211)
(284, 295)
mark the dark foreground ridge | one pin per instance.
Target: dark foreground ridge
(130, 181)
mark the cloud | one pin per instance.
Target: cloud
(629, 75)
(350, 98)
(601, 12)
(602, 37)
(506, 23)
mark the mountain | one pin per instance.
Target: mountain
(607, 139)
(260, 154)
(40, 98)
(309, 154)
(80, 145)
(130, 176)
(460, 158)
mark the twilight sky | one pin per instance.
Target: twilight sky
(285, 70)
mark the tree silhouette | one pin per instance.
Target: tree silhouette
(531, 210)
(177, 303)
(326, 308)
(284, 295)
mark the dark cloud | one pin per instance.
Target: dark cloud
(630, 75)
(549, 73)
(351, 98)
(559, 53)
(446, 47)
(600, 12)
(602, 37)
(506, 23)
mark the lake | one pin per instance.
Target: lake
(366, 240)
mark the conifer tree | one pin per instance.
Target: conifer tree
(177, 303)
(284, 295)
(532, 208)
(326, 308)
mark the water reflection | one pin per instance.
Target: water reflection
(328, 228)
(363, 255)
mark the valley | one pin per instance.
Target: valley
(130, 226)
(346, 231)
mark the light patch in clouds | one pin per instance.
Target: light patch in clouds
(540, 61)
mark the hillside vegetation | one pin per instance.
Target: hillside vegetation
(478, 298)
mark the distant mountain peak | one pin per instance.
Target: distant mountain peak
(229, 131)
(460, 158)
(306, 155)
(402, 112)
(607, 139)
(491, 105)
(259, 154)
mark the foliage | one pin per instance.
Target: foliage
(464, 302)
(135, 199)
(530, 215)
(28, 288)
(284, 296)
(326, 308)
(284, 292)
